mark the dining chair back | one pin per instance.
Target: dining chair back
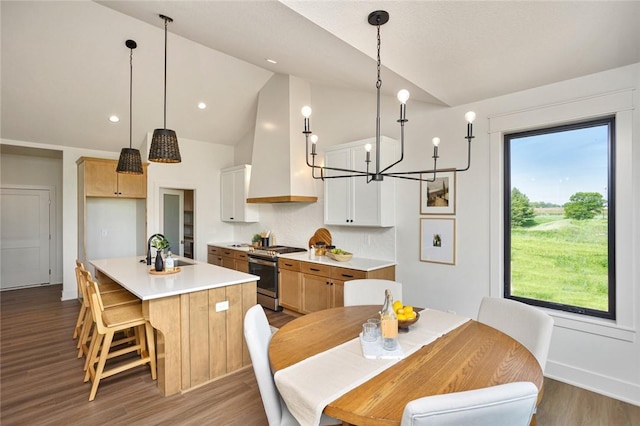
(257, 334)
(370, 291)
(528, 325)
(510, 404)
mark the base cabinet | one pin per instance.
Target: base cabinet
(290, 288)
(318, 286)
(228, 258)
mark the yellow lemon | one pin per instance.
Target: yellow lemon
(400, 311)
(408, 309)
(402, 317)
(410, 315)
(397, 305)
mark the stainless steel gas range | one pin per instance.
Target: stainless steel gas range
(263, 262)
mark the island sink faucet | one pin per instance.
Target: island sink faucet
(149, 246)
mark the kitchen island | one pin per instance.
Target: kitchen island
(198, 314)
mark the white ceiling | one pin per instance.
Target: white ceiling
(65, 68)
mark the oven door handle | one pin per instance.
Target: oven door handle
(262, 262)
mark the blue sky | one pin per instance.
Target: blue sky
(554, 166)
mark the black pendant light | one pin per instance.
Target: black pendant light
(130, 161)
(164, 144)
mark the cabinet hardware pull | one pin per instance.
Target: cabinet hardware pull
(314, 269)
(347, 275)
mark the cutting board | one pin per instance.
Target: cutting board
(321, 234)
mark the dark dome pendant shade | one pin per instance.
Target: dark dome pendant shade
(164, 143)
(130, 161)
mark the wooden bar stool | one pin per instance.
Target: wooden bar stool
(110, 300)
(84, 313)
(108, 323)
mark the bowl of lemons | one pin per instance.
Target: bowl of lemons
(339, 255)
(406, 315)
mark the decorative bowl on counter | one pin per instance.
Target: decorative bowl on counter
(403, 325)
(345, 257)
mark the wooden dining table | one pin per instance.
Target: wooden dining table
(471, 356)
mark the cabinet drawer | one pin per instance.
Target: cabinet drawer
(226, 252)
(240, 255)
(291, 265)
(315, 269)
(346, 274)
(213, 250)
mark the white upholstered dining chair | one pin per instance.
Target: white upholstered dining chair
(257, 334)
(370, 291)
(528, 325)
(511, 404)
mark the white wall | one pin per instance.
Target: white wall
(199, 171)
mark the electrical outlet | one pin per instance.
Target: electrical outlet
(222, 306)
(105, 232)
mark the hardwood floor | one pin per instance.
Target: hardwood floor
(41, 381)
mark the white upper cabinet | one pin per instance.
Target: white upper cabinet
(352, 201)
(234, 188)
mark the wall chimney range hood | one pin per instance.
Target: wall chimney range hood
(278, 169)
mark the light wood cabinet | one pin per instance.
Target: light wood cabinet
(307, 287)
(101, 179)
(353, 201)
(234, 189)
(290, 287)
(228, 258)
(100, 185)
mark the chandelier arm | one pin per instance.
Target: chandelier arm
(468, 157)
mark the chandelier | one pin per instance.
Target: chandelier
(379, 18)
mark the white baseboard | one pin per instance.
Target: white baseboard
(604, 385)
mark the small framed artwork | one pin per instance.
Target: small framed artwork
(438, 240)
(439, 196)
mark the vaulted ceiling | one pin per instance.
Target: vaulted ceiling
(65, 67)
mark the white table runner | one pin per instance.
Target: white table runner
(308, 386)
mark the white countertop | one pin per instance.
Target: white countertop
(232, 245)
(359, 263)
(135, 277)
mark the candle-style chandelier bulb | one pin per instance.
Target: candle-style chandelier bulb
(403, 96)
(470, 116)
(436, 141)
(306, 111)
(314, 139)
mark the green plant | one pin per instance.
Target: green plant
(256, 238)
(160, 243)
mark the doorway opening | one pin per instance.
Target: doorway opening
(178, 220)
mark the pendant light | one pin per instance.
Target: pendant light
(130, 161)
(164, 144)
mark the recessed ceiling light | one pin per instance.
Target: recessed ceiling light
(114, 119)
(271, 61)
(202, 105)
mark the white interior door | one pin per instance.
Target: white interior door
(172, 214)
(24, 233)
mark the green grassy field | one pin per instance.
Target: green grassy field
(561, 260)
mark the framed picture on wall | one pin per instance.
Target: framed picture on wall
(439, 196)
(438, 240)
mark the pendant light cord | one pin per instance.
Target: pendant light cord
(130, 95)
(165, 72)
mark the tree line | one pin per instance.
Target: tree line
(581, 206)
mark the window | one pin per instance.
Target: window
(559, 247)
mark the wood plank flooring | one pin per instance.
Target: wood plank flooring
(41, 381)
